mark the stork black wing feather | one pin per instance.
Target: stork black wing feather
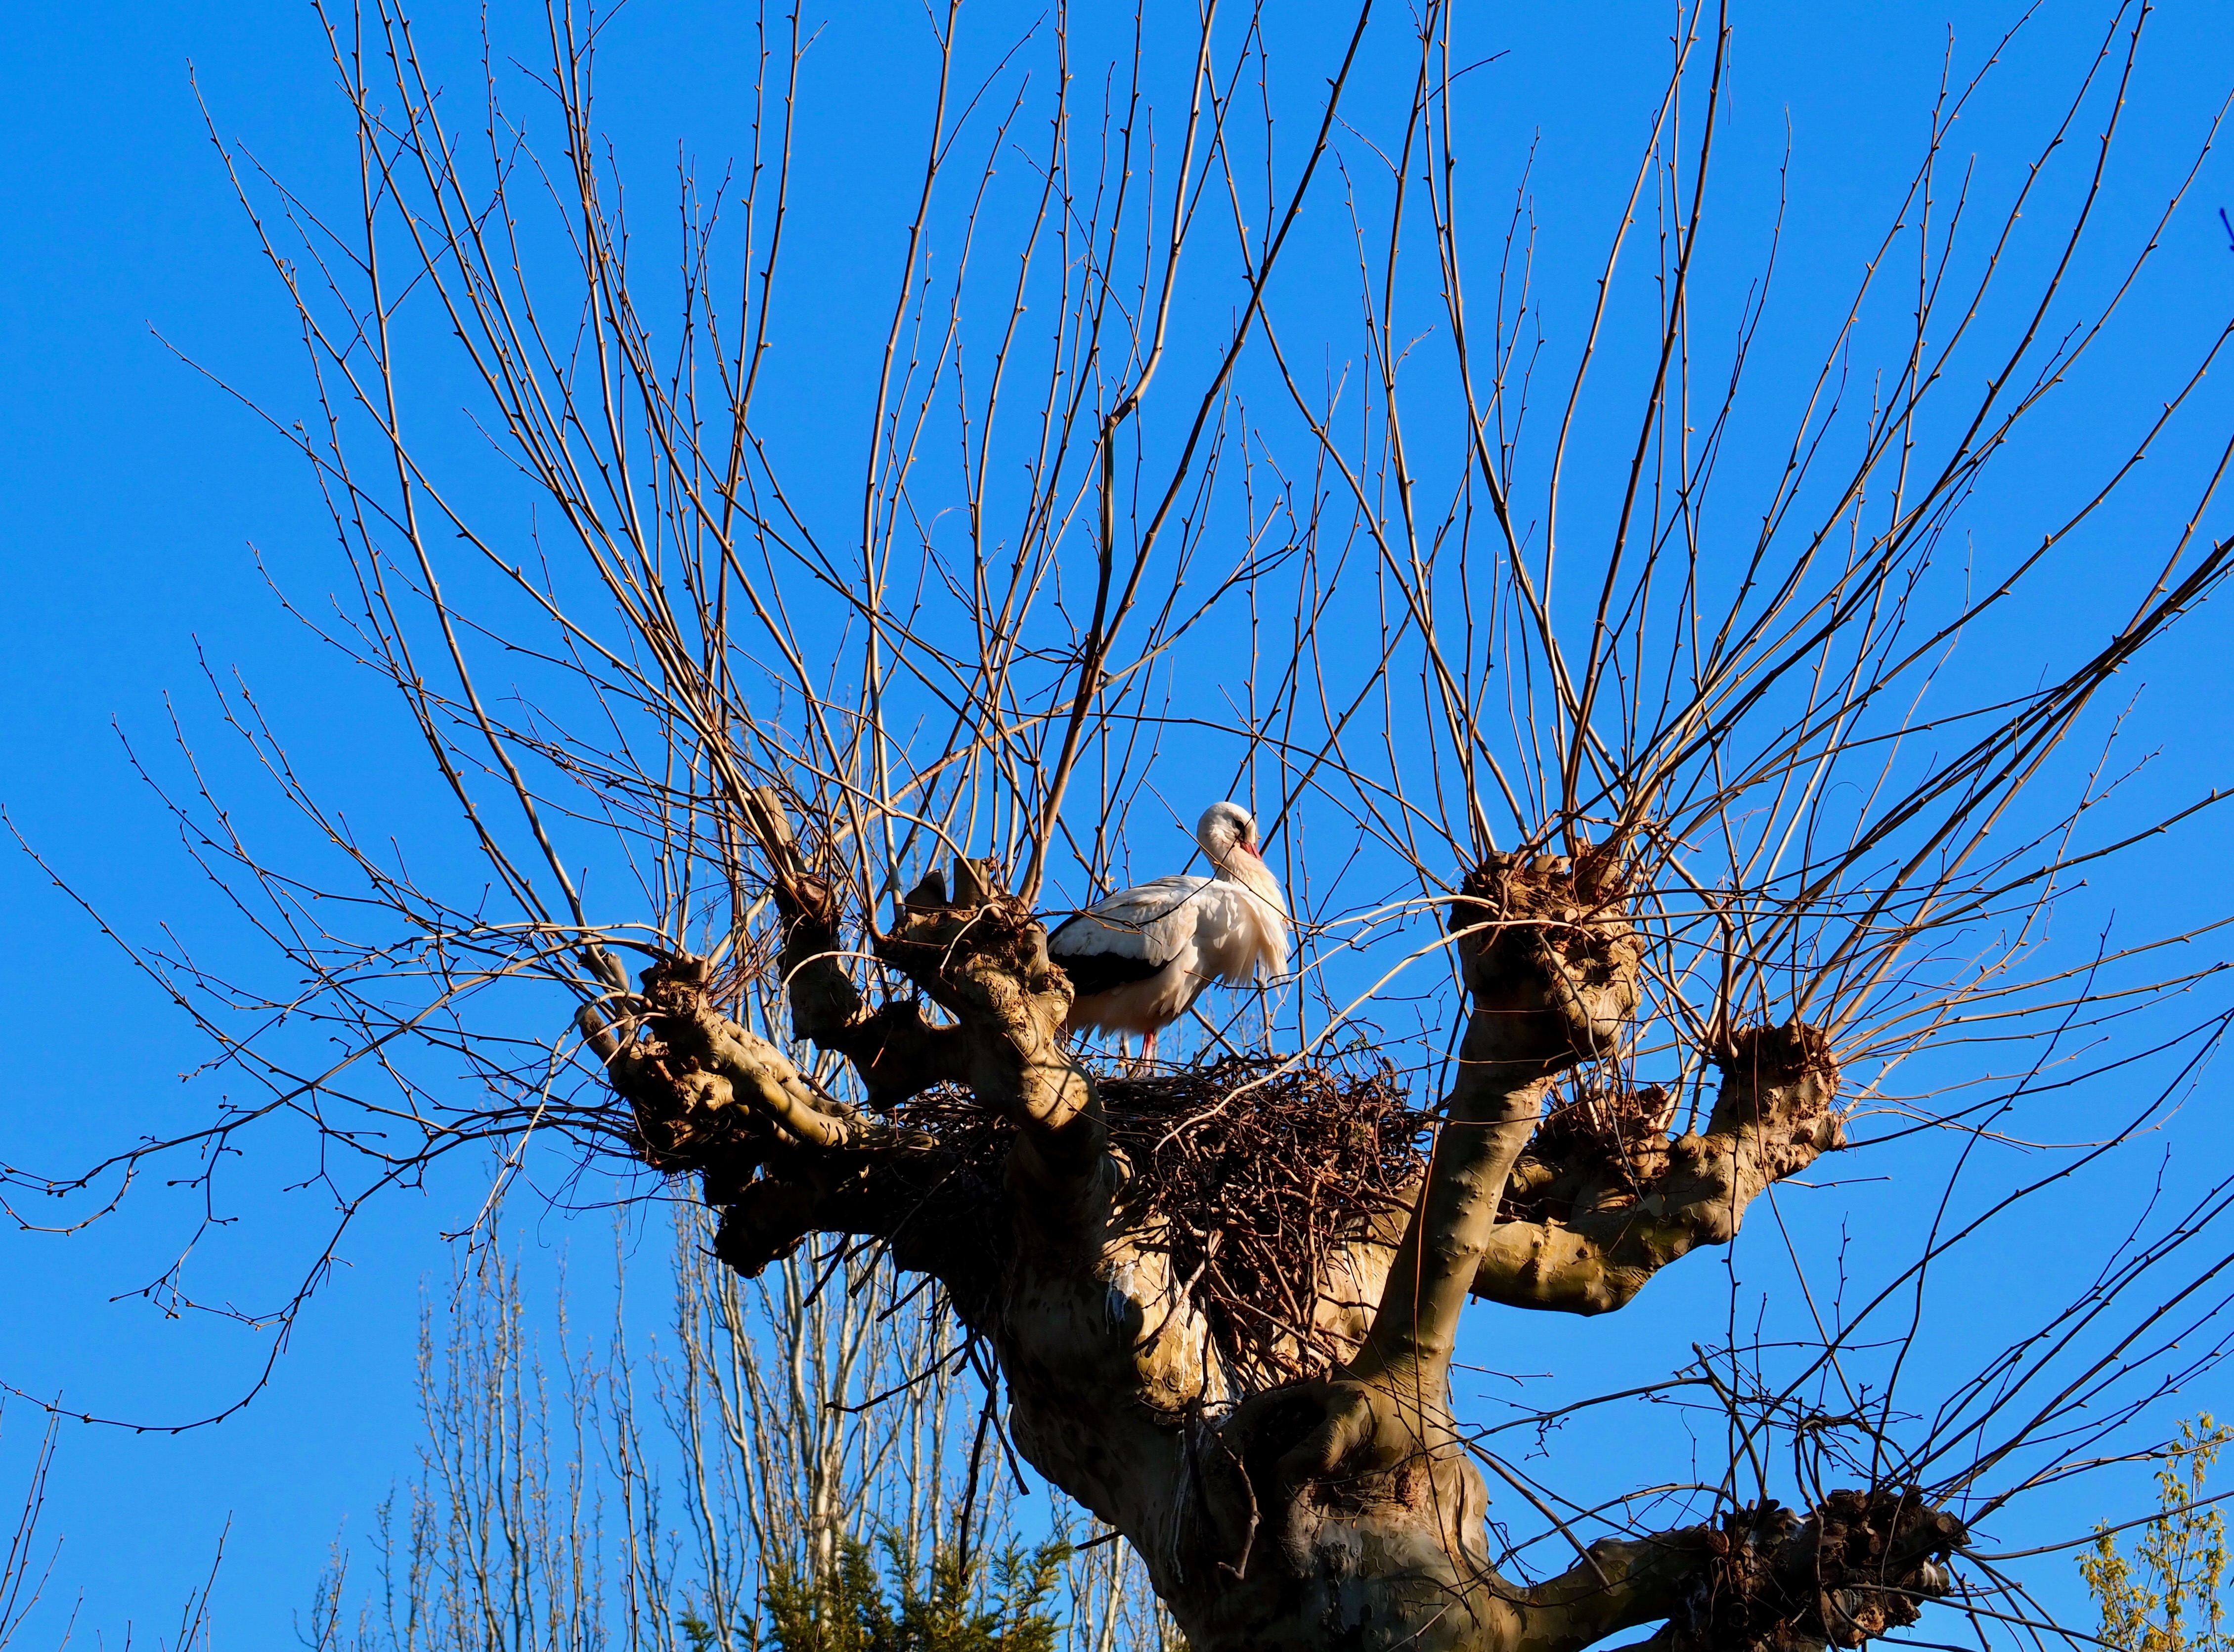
(1093, 973)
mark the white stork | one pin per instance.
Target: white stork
(1140, 959)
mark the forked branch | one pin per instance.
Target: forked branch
(1604, 1199)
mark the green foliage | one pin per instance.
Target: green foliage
(968, 1606)
(2164, 1598)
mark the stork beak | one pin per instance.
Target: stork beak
(1252, 849)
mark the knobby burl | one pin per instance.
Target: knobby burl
(1292, 1478)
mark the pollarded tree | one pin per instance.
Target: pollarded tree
(1682, 741)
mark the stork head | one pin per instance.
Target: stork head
(1227, 832)
(1228, 835)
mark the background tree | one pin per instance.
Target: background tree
(1664, 821)
(774, 1475)
(28, 1563)
(2165, 1598)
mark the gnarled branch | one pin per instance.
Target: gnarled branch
(1600, 1209)
(1764, 1579)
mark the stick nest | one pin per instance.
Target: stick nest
(1250, 1189)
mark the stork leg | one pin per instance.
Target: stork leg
(1147, 1052)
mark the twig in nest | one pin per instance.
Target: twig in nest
(1251, 1200)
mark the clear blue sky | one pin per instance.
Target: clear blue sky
(134, 488)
